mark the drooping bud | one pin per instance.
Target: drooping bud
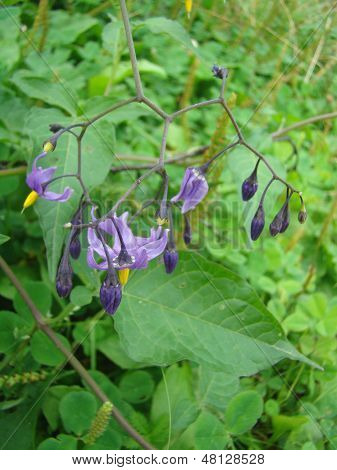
(75, 247)
(64, 278)
(302, 215)
(250, 185)
(110, 293)
(286, 219)
(170, 260)
(187, 230)
(257, 224)
(55, 127)
(219, 72)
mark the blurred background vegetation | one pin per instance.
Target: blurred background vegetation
(60, 60)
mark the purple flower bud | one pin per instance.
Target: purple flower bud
(281, 220)
(110, 294)
(64, 281)
(75, 247)
(257, 224)
(250, 185)
(170, 260)
(219, 72)
(286, 219)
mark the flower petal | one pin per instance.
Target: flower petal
(50, 196)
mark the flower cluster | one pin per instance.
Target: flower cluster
(281, 221)
(111, 245)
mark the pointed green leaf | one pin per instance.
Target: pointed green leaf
(202, 312)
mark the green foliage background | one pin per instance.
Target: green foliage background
(221, 354)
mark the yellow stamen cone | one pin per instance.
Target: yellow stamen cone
(123, 275)
(161, 221)
(188, 7)
(48, 147)
(30, 200)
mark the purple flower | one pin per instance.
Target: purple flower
(133, 253)
(39, 178)
(194, 188)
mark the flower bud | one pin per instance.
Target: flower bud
(250, 185)
(64, 281)
(302, 215)
(257, 224)
(281, 221)
(219, 72)
(75, 247)
(55, 127)
(286, 219)
(110, 294)
(170, 260)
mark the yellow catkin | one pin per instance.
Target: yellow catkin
(24, 378)
(30, 200)
(100, 423)
(123, 275)
(188, 6)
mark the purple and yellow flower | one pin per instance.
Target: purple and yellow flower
(38, 180)
(194, 188)
(129, 253)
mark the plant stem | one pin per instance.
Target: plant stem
(75, 363)
(131, 46)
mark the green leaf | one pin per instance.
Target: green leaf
(137, 386)
(50, 403)
(243, 411)
(9, 47)
(61, 442)
(66, 27)
(80, 296)
(176, 402)
(12, 326)
(3, 239)
(41, 296)
(203, 312)
(44, 350)
(209, 432)
(217, 387)
(161, 25)
(77, 410)
(56, 94)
